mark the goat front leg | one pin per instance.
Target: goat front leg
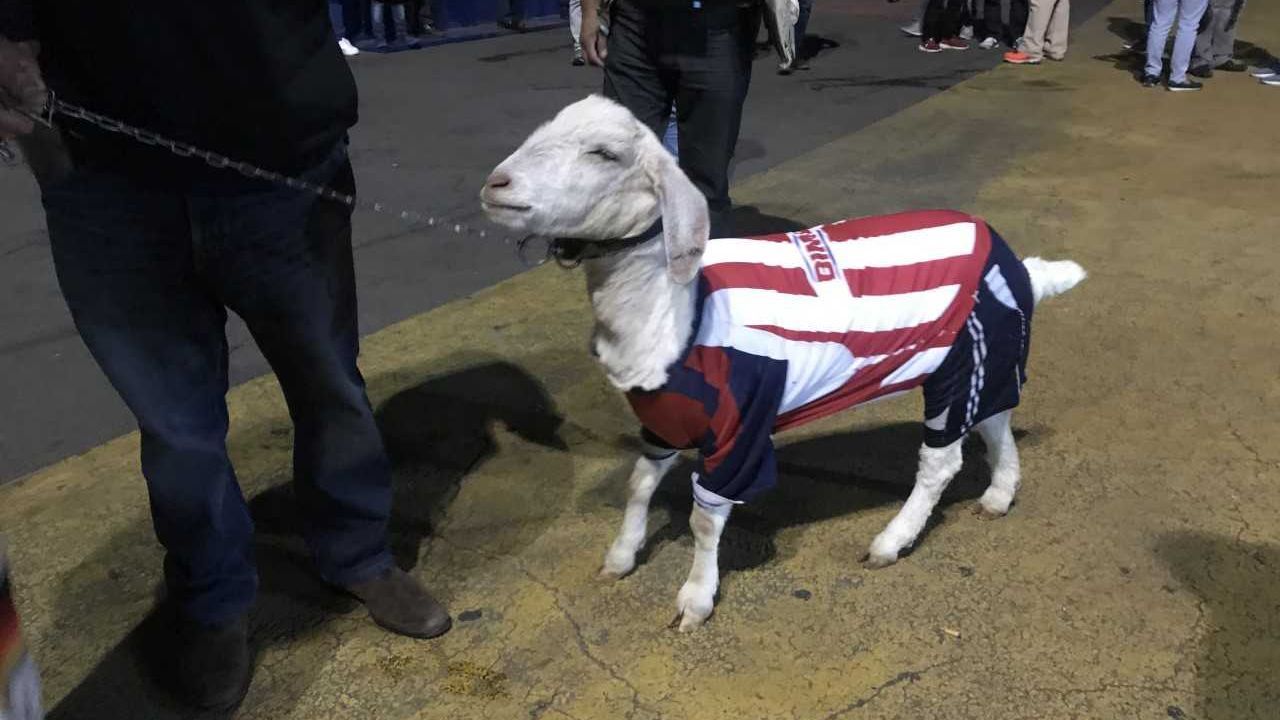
(648, 473)
(697, 597)
(937, 467)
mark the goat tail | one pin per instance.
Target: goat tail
(1050, 278)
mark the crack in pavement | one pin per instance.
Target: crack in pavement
(1257, 456)
(907, 676)
(585, 648)
(1104, 687)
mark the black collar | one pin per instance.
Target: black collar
(570, 252)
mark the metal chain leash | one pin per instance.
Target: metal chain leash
(55, 107)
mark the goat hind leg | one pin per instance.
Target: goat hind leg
(648, 473)
(1006, 471)
(937, 467)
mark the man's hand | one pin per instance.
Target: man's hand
(21, 86)
(594, 44)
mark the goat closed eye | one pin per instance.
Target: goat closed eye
(604, 154)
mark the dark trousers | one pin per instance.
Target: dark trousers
(148, 275)
(802, 26)
(942, 19)
(1018, 12)
(338, 17)
(700, 60)
(993, 20)
(992, 24)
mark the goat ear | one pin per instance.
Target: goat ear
(686, 225)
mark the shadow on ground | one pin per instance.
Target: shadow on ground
(1238, 586)
(437, 434)
(748, 221)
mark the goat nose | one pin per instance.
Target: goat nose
(498, 180)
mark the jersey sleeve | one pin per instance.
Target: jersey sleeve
(738, 462)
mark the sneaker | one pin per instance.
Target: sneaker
(930, 46)
(1201, 71)
(1185, 86)
(578, 58)
(966, 32)
(1138, 47)
(1265, 71)
(913, 29)
(784, 68)
(347, 48)
(1273, 81)
(1020, 58)
(989, 43)
(1232, 66)
(1150, 81)
(954, 43)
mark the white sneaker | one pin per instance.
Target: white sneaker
(347, 48)
(966, 32)
(989, 44)
(912, 28)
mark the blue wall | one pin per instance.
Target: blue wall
(461, 13)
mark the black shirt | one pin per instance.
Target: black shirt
(259, 80)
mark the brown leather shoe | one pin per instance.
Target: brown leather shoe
(399, 603)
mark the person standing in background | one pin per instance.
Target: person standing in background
(940, 29)
(993, 32)
(575, 30)
(1216, 43)
(1186, 15)
(396, 12)
(1046, 33)
(513, 18)
(802, 32)
(691, 55)
(338, 16)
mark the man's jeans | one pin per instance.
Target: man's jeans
(148, 274)
(1186, 15)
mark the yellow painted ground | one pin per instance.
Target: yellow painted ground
(1137, 577)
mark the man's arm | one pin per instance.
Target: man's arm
(594, 45)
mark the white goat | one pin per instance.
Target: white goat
(765, 359)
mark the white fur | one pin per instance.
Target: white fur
(1050, 278)
(596, 173)
(646, 476)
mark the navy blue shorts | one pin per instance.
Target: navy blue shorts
(984, 373)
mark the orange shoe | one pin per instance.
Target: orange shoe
(1017, 57)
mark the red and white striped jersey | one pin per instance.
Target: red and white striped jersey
(797, 326)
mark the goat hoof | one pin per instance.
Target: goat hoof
(994, 503)
(687, 621)
(987, 513)
(874, 561)
(608, 574)
(693, 607)
(617, 567)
